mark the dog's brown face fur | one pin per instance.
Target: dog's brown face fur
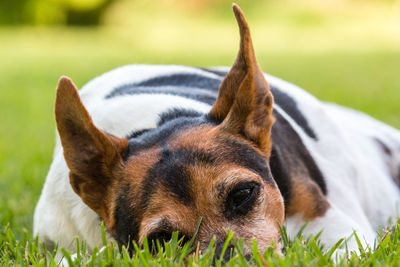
(214, 166)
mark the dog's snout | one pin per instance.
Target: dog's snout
(165, 237)
(162, 236)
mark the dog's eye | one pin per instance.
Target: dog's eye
(241, 199)
(240, 196)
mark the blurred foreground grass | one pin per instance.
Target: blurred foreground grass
(353, 64)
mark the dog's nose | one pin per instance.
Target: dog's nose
(164, 237)
(227, 254)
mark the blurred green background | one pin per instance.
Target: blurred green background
(345, 51)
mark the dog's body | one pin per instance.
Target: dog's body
(350, 149)
(334, 167)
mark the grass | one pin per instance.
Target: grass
(355, 64)
(298, 252)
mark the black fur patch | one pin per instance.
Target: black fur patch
(136, 134)
(171, 171)
(192, 86)
(178, 113)
(280, 174)
(202, 95)
(126, 220)
(183, 79)
(175, 179)
(146, 138)
(290, 107)
(291, 159)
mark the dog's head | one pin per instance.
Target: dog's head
(213, 166)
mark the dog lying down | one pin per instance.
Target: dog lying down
(148, 150)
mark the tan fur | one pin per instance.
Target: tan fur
(307, 200)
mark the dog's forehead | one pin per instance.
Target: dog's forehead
(199, 152)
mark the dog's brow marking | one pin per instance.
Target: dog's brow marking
(245, 156)
(171, 172)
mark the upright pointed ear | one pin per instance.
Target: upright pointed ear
(244, 103)
(92, 156)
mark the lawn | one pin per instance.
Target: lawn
(357, 67)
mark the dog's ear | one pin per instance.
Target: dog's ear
(244, 103)
(92, 156)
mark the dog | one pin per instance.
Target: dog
(148, 150)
